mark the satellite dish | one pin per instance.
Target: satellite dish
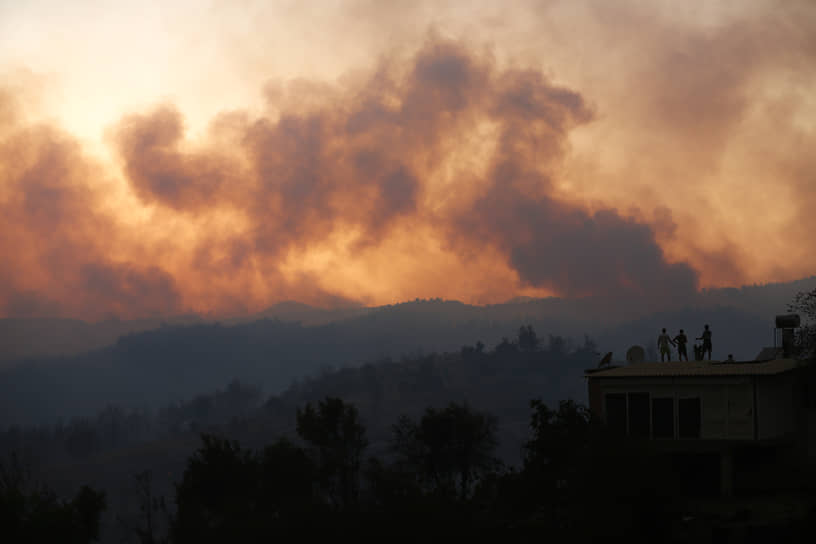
(635, 354)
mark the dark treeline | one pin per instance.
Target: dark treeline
(115, 427)
(435, 447)
(149, 369)
(439, 480)
(108, 449)
(31, 512)
(494, 380)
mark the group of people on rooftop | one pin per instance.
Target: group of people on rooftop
(664, 341)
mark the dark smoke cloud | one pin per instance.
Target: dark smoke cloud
(160, 172)
(125, 288)
(578, 253)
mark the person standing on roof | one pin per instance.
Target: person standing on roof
(706, 338)
(663, 342)
(680, 341)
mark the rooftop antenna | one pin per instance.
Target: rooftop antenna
(635, 354)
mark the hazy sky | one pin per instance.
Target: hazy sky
(164, 157)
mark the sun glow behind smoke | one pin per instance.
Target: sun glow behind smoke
(157, 159)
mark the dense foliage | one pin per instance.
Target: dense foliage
(804, 303)
(31, 512)
(373, 452)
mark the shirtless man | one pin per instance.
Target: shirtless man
(663, 342)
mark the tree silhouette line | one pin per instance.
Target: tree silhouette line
(439, 478)
(32, 512)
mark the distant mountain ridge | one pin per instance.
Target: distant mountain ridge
(293, 311)
(175, 361)
(25, 338)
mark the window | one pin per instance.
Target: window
(688, 420)
(663, 418)
(616, 413)
(639, 415)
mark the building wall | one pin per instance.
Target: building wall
(741, 410)
(808, 404)
(726, 403)
(775, 405)
(596, 400)
(714, 409)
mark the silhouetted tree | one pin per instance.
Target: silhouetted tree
(238, 398)
(338, 439)
(217, 498)
(582, 484)
(558, 345)
(506, 346)
(805, 303)
(590, 346)
(527, 338)
(30, 512)
(287, 476)
(449, 449)
(558, 438)
(154, 516)
(393, 489)
(230, 494)
(625, 486)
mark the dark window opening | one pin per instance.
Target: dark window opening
(663, 418)
(639, 415)
(688, 412)
(616, 413)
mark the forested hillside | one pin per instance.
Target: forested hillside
(147, 369)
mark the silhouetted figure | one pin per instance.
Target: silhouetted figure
(663, 342)
(607, 359)
(680, 341)
(730, 358)
(706, 338)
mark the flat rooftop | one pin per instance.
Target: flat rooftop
(697, 368)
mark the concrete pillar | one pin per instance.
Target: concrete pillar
(726, 472)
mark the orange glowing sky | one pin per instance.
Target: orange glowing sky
(217, 157)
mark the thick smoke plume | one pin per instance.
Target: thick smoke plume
(431, 176)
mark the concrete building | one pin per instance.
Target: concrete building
(755, 419)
